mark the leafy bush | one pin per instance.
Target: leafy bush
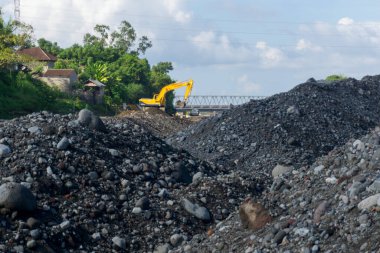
(333, 78)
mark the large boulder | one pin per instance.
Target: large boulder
(88, 119)
(17, 197)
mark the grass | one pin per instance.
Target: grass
(21, 94)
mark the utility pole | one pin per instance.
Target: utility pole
(17, 10)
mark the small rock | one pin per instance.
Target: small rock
(119, 242)
(63, 144)
(4, 150)
(65, 224)
(162, 248)
(279, 236)
(176, 240)
(31, 244)
(198, 211)
(369, 202)
(253, 215)
(34, 130)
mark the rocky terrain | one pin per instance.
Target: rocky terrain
(76, 183)
(97, 187)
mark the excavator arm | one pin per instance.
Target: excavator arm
(158, 100)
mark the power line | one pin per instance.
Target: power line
(212, 19)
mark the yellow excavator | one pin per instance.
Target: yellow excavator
(158, 100)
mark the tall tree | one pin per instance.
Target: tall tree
(14, 35)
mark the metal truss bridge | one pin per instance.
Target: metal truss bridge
(213, 103)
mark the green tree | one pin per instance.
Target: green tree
(98, 71)
(14, 35)
(48, 46)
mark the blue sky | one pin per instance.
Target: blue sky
(230, 47)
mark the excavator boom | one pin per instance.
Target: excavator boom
(158, 100)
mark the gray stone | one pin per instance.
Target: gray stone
(176, 240)
(281, 169)
(279, 236)
(164, 248)
(119, 242)
(31, 244)
(63, 144)
(143, 203)
(369, 202)
(17, 197)
(136, 210)
(65, 224)
(96, 236)
(93, 175)
(375, 186)
(198, 211)
(197, 177)
(34, 130)
(35, 233)
(114, 152)
(181, 174)
(33, 223)
(4, 150)
(84, 117)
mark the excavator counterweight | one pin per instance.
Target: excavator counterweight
(158, 100)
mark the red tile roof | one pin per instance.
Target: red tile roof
(38, 54)
(59, 73)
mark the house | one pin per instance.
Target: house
(39, 55)
(63, 79)
(93, 91)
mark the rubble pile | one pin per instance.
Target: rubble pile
(71, 184)
(332, 205)
(290, 129)
(156, 121)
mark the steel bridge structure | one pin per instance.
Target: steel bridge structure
(213, 103)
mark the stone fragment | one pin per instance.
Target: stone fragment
(119, 242)
(253, 215)
(198, 211)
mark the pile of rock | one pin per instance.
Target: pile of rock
(291, 129)
(332, 205)
(78, 184)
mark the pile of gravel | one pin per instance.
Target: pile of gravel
(332, 205)
(78, 185)
(291, 129)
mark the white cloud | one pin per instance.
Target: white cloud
(364, 32)
(219, 48)
(305, 45)
(345, 21)
(174, 7)
(247, 86)
(270, 56)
